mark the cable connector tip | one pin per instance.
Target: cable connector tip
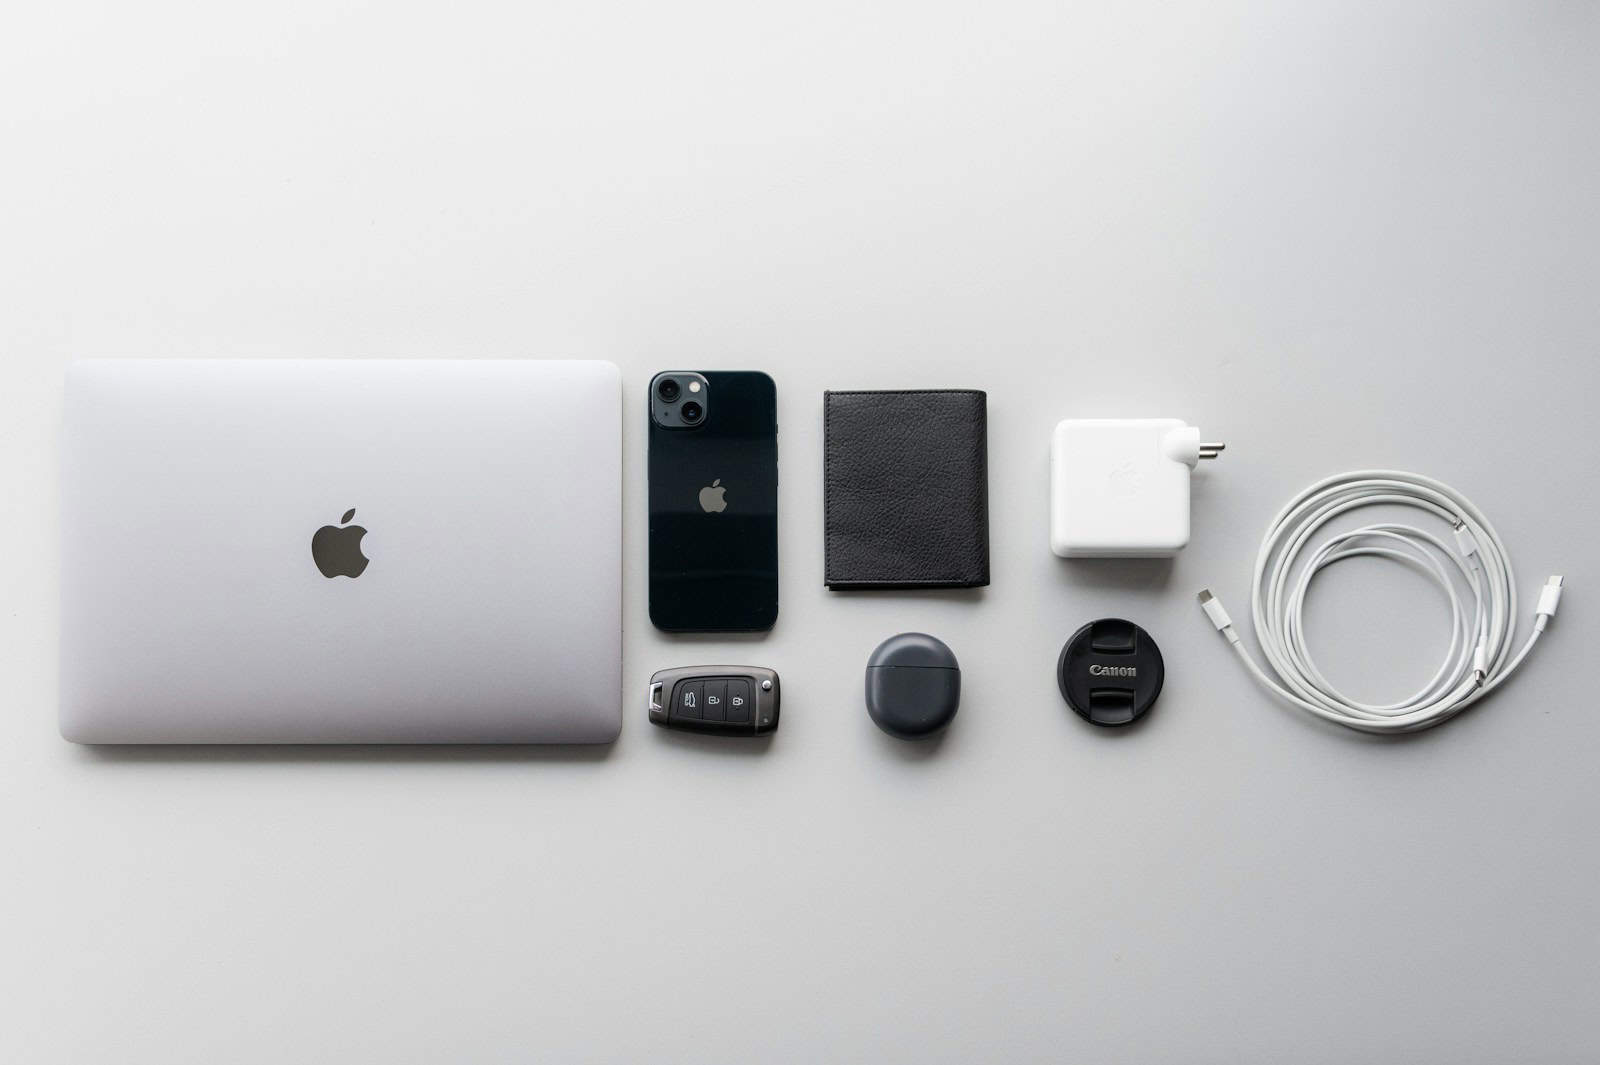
(1549, 598)
(1213, 608)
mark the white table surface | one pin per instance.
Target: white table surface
(1334, 235)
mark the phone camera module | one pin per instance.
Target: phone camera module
(679, 399)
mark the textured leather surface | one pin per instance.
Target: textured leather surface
(906, 489)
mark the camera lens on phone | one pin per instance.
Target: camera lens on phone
(692, 412)
(668, 389)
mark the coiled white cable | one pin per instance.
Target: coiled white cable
(1480, 655)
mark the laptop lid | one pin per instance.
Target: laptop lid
(341, 551)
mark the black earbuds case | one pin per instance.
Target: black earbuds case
(913, 685)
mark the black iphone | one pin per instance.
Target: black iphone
(713, 501)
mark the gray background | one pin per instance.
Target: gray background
(1332, 235)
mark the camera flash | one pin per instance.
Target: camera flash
(694, 386)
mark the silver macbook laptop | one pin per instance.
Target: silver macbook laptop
(339, 551)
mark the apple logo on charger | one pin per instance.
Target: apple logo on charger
(711, 500)
(1124, 480)
(336, 549)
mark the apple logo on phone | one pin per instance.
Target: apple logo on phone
(336, 549)
(711, 497)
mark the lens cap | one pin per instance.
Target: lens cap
(1110, 672)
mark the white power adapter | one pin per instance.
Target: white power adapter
(1119, 487)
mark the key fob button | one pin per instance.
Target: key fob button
(716, 704)
(739, 702)
(688, 700)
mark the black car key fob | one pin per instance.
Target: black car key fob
(724, 700)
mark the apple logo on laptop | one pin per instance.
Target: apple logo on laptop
(711, 500)
(336, 549)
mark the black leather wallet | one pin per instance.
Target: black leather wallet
(906, 489)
